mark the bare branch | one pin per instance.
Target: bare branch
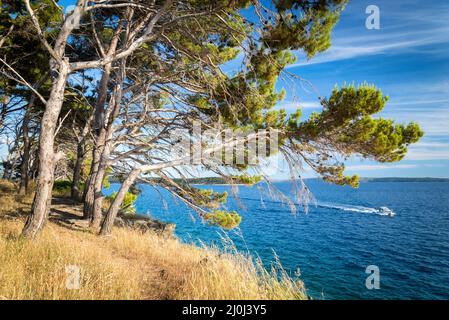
(147, 35)
(39, 31)
(3, 39)
(24, 82)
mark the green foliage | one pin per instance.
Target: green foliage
(305, 25)
(62, 188)
(346, 127)
(246, 179)
(62, 184)
(127, 207)
(245, 99)
(106, 183)
(187, 58)
(209, 198)
(13, 13)
(347, 115)
(224, 219)
(335, 174)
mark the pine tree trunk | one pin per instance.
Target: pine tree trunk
(9, 165)
(6, 170)
(3, 113)
(88, 196)
(97, 183)
(98, 128)
(34, 170)
(47, 156)
(23, 189)
(80, 152)
(104, 144)
(108, 223)
(89, 199)
(98, 196)
(101, 174)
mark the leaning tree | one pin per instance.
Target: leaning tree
(244, 102)
(24, 79)
(173, 52)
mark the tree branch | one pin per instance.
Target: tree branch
(24, 82)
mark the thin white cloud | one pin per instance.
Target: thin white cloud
(294, 105)
(430, 145)
(338, 53)
(419, 102)
(420, 154)
(420, 89)
(431, 115)
(348, 47)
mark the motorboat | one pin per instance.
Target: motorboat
(386, 211)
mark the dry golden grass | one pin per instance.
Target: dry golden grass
(127, 265)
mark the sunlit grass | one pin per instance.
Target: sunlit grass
(127, 265)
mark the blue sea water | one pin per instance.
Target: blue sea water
(337, 239)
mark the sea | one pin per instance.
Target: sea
(384, 240)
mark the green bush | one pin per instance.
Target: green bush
(127, 207)
(224, 219)
(62, 188)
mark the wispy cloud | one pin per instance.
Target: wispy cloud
(405, 27)
(428, 151)
(415, 154)
(419, 102)
(421, 90)
(294, 105)
(354, 47)
(434, 121)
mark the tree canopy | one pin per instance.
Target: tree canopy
(124, 76)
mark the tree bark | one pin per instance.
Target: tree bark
(98, 195)
(9, 165)
(80, 153)
(24, 178)
(24, 167)
(88, 196)
(6, 171)
(3, 113)
(97, 181)
(98, 124)
(108, 223)
(80, 156)
(98, 128)
(106, 140)
(98, 184)
(47, 155)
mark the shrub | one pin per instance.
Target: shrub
(62, 188)
(127, 207)
(224, 219)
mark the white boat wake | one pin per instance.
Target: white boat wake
(382, 211)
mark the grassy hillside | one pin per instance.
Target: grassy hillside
(127, 265)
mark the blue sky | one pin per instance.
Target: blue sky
(408, 59)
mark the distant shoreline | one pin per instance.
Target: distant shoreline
(362, 180)
(209, 181)
(393, 179)
(385, 179)
(221, 184)
(219, 181)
